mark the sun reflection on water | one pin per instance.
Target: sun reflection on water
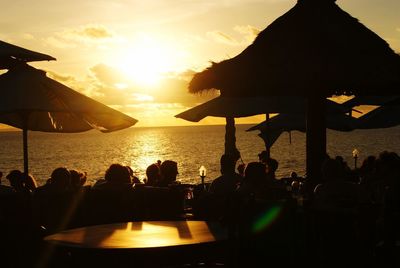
(143, 151)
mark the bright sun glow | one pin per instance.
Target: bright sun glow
(145, 60)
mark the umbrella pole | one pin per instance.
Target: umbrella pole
(316, 139)
(25, 146)
(267, 142)
(230, 139)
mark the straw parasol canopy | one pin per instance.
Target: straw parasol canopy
(231, 108)
(11, 54)
(243, 107)
(30, 100)
(314, 50)
(271, 129)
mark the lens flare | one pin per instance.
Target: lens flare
(266, 219)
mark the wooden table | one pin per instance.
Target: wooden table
(163, 240)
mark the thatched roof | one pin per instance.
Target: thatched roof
(315, 48)
(52, 106)
(243, 107)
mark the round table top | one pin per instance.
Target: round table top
(140, 235)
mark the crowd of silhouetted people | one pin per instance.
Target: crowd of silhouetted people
(28, 211)
(350, 213)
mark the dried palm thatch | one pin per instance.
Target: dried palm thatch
(315, 48)
(30, 100)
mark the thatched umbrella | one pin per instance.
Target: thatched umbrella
(231, 108)
(314, 50)
(10, 54)
(271, 129)
(30, 100)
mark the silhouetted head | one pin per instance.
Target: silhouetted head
(368, 163)
(77, 178)
(29, 182)
(228, 164)
(152, 174)
(61, 178)
(134, 179)
(169, 171)
(15, 177)
(272, 165)
(254, 172)
(117, 173)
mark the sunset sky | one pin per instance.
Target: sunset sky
(137, 56)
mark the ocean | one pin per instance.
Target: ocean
(190, 146)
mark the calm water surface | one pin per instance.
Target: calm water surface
(191, 147)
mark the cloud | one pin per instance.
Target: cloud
(68, 80)
(88, 35)
(107, 75)
(151, 106)
(112, 87)
(247, 34)
(223, 38)
(94, 31)
(250, 32)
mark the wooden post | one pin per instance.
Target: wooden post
(316, 139)
(25, 147)
(230, 138)
(267, 142)
(25, 119)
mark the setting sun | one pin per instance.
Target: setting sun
(146, 60)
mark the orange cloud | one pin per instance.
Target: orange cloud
(247, 34)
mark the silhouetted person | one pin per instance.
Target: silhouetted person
(214, 204)
(229, 180)
(263, 157)
(59, 181)
(336, 203)
(336, 192)
(388, 169)
(169, 172)
(153, 175)
(271, 167)
(133, 177)
(254, 181)
(30, 182)
(21, 182)
(117, 177)
(15, 178)
(78, 179)
(4, 189)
